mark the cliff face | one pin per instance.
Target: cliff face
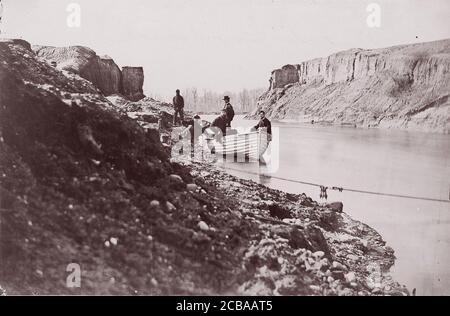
(132, 82)
(103, 72)
(403, 87)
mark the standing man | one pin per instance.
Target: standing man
(228, 108)
(178, 106)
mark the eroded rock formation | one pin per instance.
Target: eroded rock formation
(102, 71)
(402, 86)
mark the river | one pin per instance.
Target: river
(387, 161)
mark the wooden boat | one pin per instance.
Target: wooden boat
(239, 147)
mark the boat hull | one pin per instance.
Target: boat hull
(240, 147)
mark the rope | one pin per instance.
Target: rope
(323, 189)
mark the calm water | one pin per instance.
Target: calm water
(400, 162)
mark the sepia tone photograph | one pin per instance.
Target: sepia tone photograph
(225, 148)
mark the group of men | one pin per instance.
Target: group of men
(223, 121)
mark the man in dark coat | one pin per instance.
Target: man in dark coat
(178, 106)
(229, 110)
(264, 123)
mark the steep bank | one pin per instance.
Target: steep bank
(81, 182)
(397, 87)
(102, 71)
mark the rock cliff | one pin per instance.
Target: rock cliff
(403, 87)
(102, 71)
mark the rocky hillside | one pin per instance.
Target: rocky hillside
(82, 183)
(397, 87)
(101, 71)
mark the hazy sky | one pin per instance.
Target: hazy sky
(223, 44)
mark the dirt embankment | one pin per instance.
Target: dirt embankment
(81, 182)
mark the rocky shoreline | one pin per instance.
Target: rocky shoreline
(339, 256)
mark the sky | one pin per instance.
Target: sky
(222, 45)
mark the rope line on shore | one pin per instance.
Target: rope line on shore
(340, 189)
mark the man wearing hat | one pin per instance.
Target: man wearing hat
(228, 108)
(178, 106)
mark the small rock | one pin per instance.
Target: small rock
(176, 178)
(170, 207)
(107, 243)
(311, 261)
(337, 207)
(350, 277)
(192, 187)
(352, 257)
(318, 255)
(376, 291)
(314, 288)
(330, 279)
(203, 226)
(114, 241)
(353, 284)
(325, 263)
(338, 275)
(154, 203)
(154, 282)
(338, 266)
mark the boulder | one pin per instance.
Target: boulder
(191, 187)
(310, 238)
(278, 211)
(203, 226)
(336, 206)
(132, 83)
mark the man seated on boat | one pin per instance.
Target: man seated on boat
(264, 123)
(221, 122)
